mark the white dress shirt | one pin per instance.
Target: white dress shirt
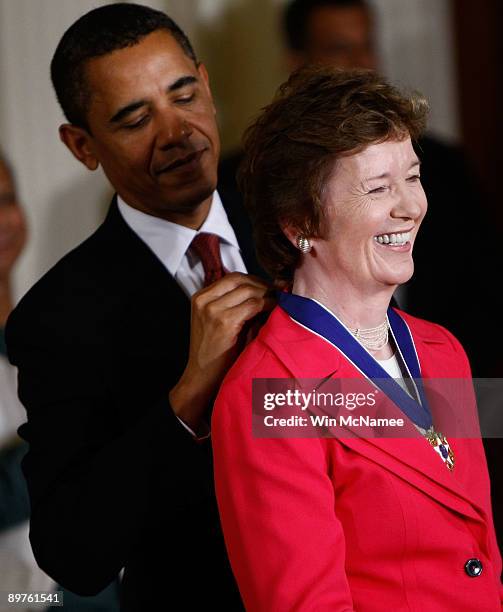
(170, 242)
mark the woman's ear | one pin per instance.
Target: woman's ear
(291, 234)
(299, 240)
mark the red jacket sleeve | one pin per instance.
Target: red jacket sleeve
(276, 500)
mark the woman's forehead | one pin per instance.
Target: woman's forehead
(379, 159)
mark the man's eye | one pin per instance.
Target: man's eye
(185, 99)
(414, 179)
(138, 123)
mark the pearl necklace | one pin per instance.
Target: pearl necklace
(372, 338)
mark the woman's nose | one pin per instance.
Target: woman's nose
(410, 205)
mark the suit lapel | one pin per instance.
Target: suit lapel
(135, 265)
(147, 337)
(148, 297)
(306, 355)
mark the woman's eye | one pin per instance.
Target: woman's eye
(381, 189)
(414, 179)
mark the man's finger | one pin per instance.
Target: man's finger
(236, 316)
(228, 283)
(236, 296)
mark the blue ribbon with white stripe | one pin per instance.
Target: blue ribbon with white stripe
(322, 322)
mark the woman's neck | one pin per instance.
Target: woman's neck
(356, 308)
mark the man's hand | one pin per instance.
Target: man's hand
(219, 313)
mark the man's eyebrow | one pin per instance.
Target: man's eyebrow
(182, 82)
(130, 108)
(127, 110)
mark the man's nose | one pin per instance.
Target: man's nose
(173, 130)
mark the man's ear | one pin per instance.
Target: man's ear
(79, 141)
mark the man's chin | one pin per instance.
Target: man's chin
(185, 206)
(188, 199)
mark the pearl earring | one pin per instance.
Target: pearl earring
(303, 244)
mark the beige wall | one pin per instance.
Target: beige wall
(239, 42)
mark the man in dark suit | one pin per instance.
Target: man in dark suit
(122, 345)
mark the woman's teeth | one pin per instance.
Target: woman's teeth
(393, 239)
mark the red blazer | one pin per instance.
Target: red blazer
(326, 524)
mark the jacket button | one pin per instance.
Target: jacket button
(473, 567)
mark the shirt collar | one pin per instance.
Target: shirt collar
(170, 241)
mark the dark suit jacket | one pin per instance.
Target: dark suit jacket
(114, 478)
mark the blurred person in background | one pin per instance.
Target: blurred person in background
(12, 241)
(18, 567)
(19, 570)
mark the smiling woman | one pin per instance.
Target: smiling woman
(373, 207)
(333, 185)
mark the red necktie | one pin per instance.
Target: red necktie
(207, 248)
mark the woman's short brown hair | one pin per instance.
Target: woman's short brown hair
(319, 115)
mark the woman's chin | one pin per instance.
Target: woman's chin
(397, 277)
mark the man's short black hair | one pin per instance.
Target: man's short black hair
(97, 33)
(297, 13)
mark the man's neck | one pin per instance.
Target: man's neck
(195, 218)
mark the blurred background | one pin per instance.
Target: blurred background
(448, 49)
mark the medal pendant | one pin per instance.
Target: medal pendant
(440, 443)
